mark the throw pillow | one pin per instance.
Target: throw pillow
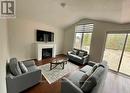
(23, 67)
(81, 54)
(89, 85)
(75, 51)
(83, 79)
(14, 67)
(95, 67)
(98, 73)
(85, 53)
(92, 80)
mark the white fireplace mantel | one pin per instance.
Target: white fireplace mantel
(39, 46)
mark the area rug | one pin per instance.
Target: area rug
(57, 73)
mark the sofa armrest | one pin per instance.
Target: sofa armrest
(68, 87)
(9, 76)
(69, 52)
(29, 63)
(85, 59)
(86, 56)
(23, 75)
(91, 63)
(21, 82)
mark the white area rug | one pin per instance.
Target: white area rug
(55, 74)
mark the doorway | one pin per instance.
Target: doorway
(117, 52)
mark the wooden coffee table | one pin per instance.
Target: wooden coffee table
(55, 62)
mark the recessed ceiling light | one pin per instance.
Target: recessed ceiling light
(63, 4)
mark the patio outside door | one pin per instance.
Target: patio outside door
(117, 52)
(125, 63)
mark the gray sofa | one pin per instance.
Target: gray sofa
(19, 83)
(78, 56)
(92, 84)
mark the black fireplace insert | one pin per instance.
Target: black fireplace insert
(46, 53)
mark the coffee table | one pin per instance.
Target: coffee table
(55, 62)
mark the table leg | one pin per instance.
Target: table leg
(50, 66)
(66, 62)
(63, 66)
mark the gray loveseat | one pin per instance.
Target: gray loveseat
(78, 56)
(16, 84)
(93, 83)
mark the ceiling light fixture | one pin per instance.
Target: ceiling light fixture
(63, 4)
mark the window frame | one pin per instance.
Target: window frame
(82, 39)
(89, 30)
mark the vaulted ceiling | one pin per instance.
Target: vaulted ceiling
(51, 12)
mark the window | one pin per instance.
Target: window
(78, 40)
(86, 41)
(83, 34)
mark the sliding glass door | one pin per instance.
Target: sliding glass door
(117, 52)
(125, 64)
(113, 50)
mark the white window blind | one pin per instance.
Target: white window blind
(84, 28)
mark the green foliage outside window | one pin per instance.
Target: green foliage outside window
(116, 42)
(87, 39)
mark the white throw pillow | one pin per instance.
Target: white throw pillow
(81, 54)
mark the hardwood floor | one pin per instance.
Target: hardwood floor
(44, 86)
(47, 60)
(114, 83)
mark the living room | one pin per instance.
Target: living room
(63, 19)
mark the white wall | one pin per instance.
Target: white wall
(125, 11)
(98, 37)
(22, 36)
(49, 11)
(69, 38)
(3, 54)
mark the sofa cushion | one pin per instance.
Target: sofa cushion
(73, 52)
(97, 73)
(23, 67)
(87, 69)
(32, 68)
(85, 52)
(14, 67)
(83, 79)
(29, 63)
(92, 80)
(88, 85)
(75, 78)
(76, 51)
(81, 53)
(75, 56)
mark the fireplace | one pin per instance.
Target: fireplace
(46, 53)
(51, 50)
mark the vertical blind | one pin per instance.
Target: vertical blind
(84, 28)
